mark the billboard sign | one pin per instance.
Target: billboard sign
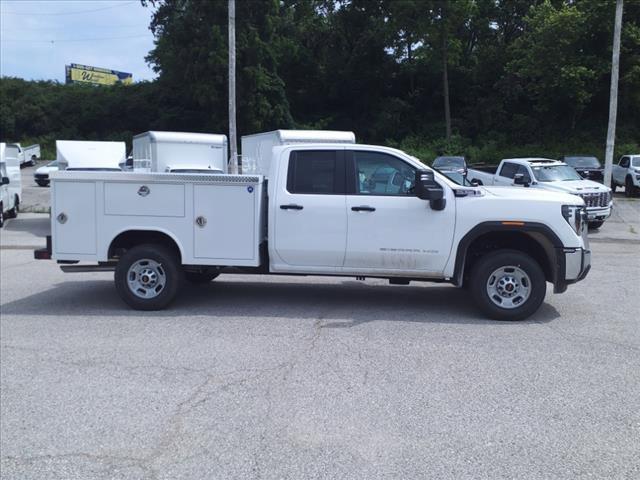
(76, 73)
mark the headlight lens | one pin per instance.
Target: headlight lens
(576, 216)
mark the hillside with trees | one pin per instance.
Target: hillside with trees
(487, 78)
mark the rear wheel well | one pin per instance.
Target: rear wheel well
(534, 244)
(132, 238)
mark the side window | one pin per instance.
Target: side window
(508, 170)
(315, 172)
(624, 162)
(382, 174)
(524, 171)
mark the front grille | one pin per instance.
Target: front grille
(599, 199)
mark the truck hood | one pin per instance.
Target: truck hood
(575, 187)
(533, 194)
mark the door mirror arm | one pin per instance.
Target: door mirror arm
(426, 188)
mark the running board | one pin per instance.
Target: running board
(87, 268)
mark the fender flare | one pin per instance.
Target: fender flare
(538, 232)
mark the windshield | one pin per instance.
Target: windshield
(555, 173)
(444, 162)
(582, 162)
(52, 164)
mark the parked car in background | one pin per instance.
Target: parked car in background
(627, 174)
(587, 166)
(31, 154)
(10, 180)
(552, 175)
(447, 164)
(41, 175)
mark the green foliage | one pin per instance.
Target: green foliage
(526, 77)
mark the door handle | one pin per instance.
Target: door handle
(363, 208)
(291, 207)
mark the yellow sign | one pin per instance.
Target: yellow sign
(76, 73)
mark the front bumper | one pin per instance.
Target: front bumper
(577, 264)
(598, 213)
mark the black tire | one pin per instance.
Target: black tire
(1, 216)
(13, 213)
(629, 188)
(488, 265)
(596, 225)
(201, 277)
(613, 185)
(43, 184)
(167, 262)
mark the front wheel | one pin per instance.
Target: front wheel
(629, 188)
(508, 285)
(147, 277)
(13, 213)
(43, 184)
(1, 216)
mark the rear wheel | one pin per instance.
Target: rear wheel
(508, 285)
(202, 276)
(613, 185)
(1, 215)
(43, 184)
(147, 277)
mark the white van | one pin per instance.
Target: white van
(10, 181)
(180, 152)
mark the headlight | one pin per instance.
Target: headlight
(576, 216)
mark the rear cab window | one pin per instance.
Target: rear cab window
(316, 172)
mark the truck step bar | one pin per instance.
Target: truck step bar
(88, 268)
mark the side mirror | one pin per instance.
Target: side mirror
(5, 181)
(521, 179)
(427, 189)
(475, 182)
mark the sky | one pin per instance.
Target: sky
(39, 37)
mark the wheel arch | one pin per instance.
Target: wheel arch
(534, 239)
(129, 238)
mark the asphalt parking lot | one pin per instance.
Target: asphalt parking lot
(260, 377)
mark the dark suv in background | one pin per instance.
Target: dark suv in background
(587, 166)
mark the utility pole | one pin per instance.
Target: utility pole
(613, 96)
(233, 142)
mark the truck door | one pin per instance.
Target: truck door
(389, 228)
(310, 214)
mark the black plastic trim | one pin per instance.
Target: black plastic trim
(557, 263)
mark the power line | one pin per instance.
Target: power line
(77, 12)
(74, 39)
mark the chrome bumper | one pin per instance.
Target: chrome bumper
(598, 213)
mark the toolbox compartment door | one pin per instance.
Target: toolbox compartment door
(74, 218)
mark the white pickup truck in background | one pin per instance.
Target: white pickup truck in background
(627, 174)
(327, 209)
(550, 175)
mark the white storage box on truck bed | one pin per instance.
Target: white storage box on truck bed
(169, 151)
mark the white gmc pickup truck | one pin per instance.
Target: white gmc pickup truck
(550, 175)
(326, 209)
